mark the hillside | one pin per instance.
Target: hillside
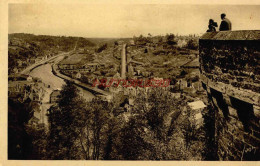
(25, 49)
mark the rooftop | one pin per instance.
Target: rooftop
(232, 35)
(193, 63)
(14, 83)
(55, 93)
(197, 105)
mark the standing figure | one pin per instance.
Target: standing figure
(212, 26)
(225, 23)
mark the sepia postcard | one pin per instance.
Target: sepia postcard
(130, 83)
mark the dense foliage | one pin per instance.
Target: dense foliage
(101, 48)
(155, 129)
(158, 127)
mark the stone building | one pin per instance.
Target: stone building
(229, 66)
(55, 96)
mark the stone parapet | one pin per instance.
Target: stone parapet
(230, 73)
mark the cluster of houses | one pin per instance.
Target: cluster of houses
(78, 69)
(21, 64)
(21, 87)
(88, 67)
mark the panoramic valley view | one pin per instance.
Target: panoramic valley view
(166, 96)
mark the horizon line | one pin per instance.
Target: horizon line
(197, 34)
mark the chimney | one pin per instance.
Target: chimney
(123, 61)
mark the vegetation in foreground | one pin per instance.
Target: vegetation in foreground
(158, 128)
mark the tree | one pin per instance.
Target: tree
(170, 39)
(100, 111)
(102, 48)
(19, 141)
(192, 44)
(39, 140)
(133, 144)
(66, 121)
(157, 128)
(152, 128)
(78, 128)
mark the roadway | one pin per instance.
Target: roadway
(30, 68)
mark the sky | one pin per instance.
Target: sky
(126, 20)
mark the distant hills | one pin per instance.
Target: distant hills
(24, 49)
(63, 43)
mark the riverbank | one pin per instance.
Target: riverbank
(45, 74)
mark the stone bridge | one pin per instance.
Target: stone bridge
(229, 67)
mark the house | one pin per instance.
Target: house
(116, 76)
(29, 78)
(130, 91)
(55, 96)
(19, 62)
(138, 72)
(132, 42)
(107, 98)
(183, 83)
(176, 95)
(131, 101)
(18, 77)
(197, 107)
(34, 95)
(92, 79)
(135, 63)
(120, 42)
(76, 75)
(67, 66)
(146, 74)
(197, 85)
(18, 86)
(38, 59)
(32, 61)
(19, 89)
(15, 70)
(91, 67)
(181, 43)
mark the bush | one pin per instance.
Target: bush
(102, 48)
(192, 44)
(158, 52)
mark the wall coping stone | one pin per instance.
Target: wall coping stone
(232, 35)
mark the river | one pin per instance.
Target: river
(44, 72)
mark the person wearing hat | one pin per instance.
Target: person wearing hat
(225, 23)
(212, 26)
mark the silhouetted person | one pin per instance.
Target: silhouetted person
(212, 26)
(225, 23)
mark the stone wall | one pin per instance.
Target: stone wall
(230, 73)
